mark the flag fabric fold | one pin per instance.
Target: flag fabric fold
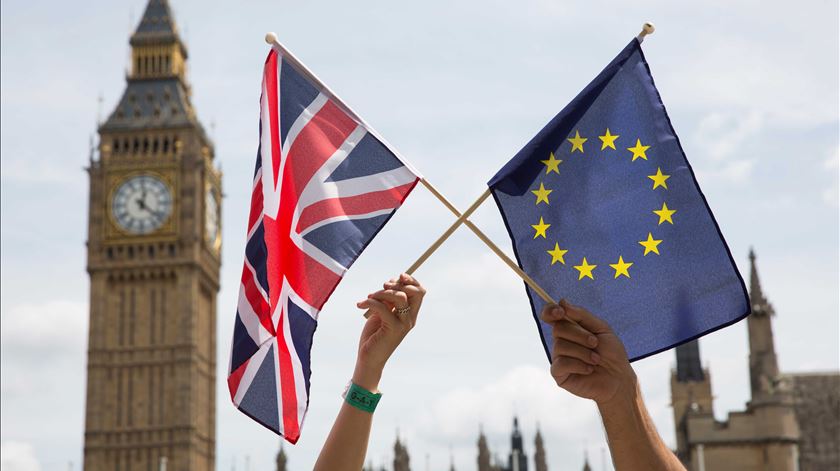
(323, 187)
(603, 209)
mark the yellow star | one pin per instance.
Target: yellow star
(577, 142)
(585, 269)
(659, 179)
(650, 244)
(665, 214)
(542, 194)
(552, 164)
(621, 267)
(638, 150)
(557, 254)
(540, 228)
(608, 140)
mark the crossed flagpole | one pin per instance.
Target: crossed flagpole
(462, 218)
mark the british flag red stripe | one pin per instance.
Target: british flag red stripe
(323, 187)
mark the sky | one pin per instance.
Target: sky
(458, 87)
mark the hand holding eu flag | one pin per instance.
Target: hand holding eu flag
(587, 358)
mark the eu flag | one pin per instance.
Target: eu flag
(603, 209)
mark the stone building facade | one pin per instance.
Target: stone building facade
(154, 250)
(792, 421)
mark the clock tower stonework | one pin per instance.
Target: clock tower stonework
(154, 249)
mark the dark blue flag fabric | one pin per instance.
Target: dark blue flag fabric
(604, 210)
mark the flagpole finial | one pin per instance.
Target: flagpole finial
(647, 29)
(271, 38)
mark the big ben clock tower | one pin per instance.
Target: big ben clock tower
(154, 248)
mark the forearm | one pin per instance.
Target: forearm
(633, 440)
(347, 442)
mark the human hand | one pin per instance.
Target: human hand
(587, 359)
(385, 328)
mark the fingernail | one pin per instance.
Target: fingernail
(592, 340)
(595, 357)
(589, 369)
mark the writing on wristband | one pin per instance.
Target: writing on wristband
(361, 398)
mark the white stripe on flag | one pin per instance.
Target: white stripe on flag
(297, 368)
(345, 217)
(250, 372)
(312, 190)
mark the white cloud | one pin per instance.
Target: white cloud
(41, 171)
(59, 327)
(833, 161)
(18, 456)
(526, 391)
(831, 194)
(723, 134)
(733, 171)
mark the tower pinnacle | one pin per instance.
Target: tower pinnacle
(759, 304)
(764, 368)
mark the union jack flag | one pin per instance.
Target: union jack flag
(324, 185)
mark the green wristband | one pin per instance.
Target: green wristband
(361, 398)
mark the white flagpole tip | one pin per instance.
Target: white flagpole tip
(647, 29)
(271, 38)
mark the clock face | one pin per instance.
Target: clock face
(211, 217)
(141, 204)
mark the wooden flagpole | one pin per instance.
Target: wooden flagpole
(462, 219)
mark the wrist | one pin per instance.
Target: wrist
(626, 396)
(367, 376)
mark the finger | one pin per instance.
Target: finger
(562, 367)
(564, 348)
(410, 290)
(407, 279)
(396, 299)
(586, 319)
(574, 333)
(381, 309)
(551, 313)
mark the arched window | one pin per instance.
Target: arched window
(165, 145)
(116, 146)
(155, 143)
(136, 145)
(145, 145)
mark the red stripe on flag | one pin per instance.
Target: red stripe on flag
(353, 205)
(311, 280)
(256, 205)
(270, 78)
(235, 378)
(315, 143)
(256, 300)
(291, 428)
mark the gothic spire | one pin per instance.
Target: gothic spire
(759, 303)
(539, 452)
(586, 466)
(764, 367)
(281, 459)
(157, 21)
(689, 367)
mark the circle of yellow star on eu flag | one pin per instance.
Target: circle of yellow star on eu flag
(621, 267)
